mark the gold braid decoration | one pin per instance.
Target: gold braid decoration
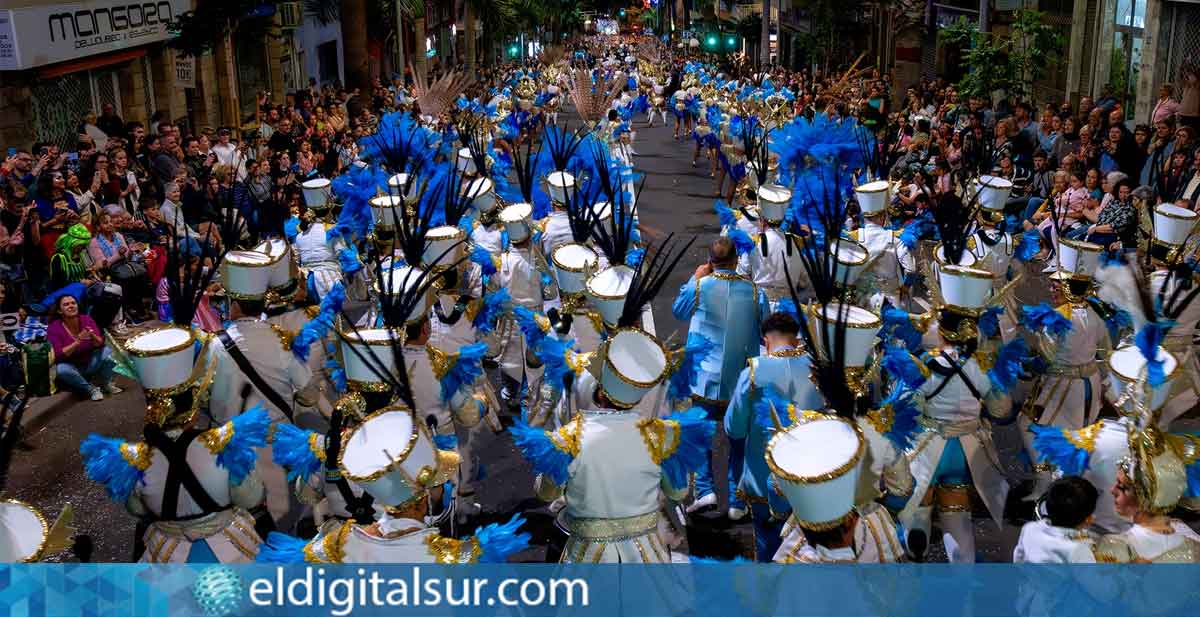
(1084, 438)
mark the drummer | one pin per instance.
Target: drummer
(891, 262)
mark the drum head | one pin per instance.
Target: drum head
(23, 532)
(814, 450)
(315, 184)
(637, 356)
(574, 257)
(160, 341)
(611, 283)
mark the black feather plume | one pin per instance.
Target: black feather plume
(649, 276)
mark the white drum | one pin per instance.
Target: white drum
(281, 269)
(573, 263)
(607, 289)
(389, 456)
(634, 363)
(398, 183)
(862, 326)
(246, 274)
(968, 288)
(557, 185)
(850, 261)
(318, 193)
(480, 192)
(441, 241)
(773, 201)
(466, 164)
(1125, 368)
(516, 221)
(162, 357)
(873, 196)
(994, 192)
(603, 210)
(407, 279)
(1172, 224)
(358, 359)
(23, 532)
(816, 466)
(1079, 257)
(384, 209)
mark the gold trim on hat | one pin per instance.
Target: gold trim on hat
(1115, 373)
(129, 349)
(824, 525)
(355, 385)
(966, 271)
(835, 319)
(41, 548)
(1194, 217)
(582, 270)
(397, 459)
(833, 474)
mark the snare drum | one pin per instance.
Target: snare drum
(23, 532)
(389, 456)
(573, 263)
(318, 194)
(162, 357)
(607, 289)
(634, 362)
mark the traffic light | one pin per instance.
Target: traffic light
(514, 51)
(710, 42)
(730, 42)
(622, 13)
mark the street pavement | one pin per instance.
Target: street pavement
(47, 472)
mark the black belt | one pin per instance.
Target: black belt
(248, 370)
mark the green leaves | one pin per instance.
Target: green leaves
(1009, 62)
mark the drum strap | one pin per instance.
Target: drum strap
(247, 369)
(179, 473)
(359, 507)
(455, 314)
(948, 373)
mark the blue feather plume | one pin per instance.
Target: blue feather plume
(500, 541)
(291, 449)
(337, 374)
(769, 397)
(494, 305)
(1148, 340)
(904, 426)
(530, 328)
(249, 432)
(903, 367)
(104, 463)
(1046, 318)
(291, 229)
(1030, 244)
(554, 354)
(319, 326)
(695, 434)
(1052, 445)
(537, 448)
(467, 367)
(742, 241)
(448, 443)
(481, 256)
(916, 230)
(989, 321)
(787, 305)
(281, 548)
(634, 257)
(898, 326)
(725, 214)
(1007, 369)
(348, 260)
(698, 348)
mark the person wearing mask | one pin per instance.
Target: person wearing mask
(81, 357)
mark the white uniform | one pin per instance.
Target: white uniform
(448, 331)
(520, 272)
(767, 273)
(1185, 391)
(317, 258)
(1041, 542)
(1181, 545)
(889, 262)
(875, 540)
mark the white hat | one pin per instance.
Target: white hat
(557, 184)
(398, 182)
(280, 253)
(246, 274)
(816, 466)
(1126, 366)
(402, 281)
(963, 287)
(516, 221)
(466, 163)
(862, 325)
(482, 195)
(368, 352)
(392, 457)
(994, 192)
(873, 196)
(1172, 227)
(607, 289)
(383, 208)
(162, 357)
(773, 201)
(850, 260)
(439, 241)
(633, 363)
(24, 533)
(317, 193)
(1077, 258)
(573, 264)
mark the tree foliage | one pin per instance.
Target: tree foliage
(199, 30)
(1010, 62)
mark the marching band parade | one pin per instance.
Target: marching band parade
(861, 314)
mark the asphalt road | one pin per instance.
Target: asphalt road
(677, 198)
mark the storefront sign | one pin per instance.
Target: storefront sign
(185, 71)
(40, 35)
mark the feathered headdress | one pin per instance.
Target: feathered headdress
(594, 96)
(616, 235)
(434, 99)
(649, 276)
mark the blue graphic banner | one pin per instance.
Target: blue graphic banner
(135, 590)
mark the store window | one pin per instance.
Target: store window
(59, 103)
(327, 62)
(1126, 60)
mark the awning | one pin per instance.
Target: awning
(91, 62)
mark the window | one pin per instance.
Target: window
(327, 62)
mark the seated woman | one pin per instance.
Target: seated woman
(1115, 224)
(206, 317)
(114, 257)
(1067, 211)
(80, 355)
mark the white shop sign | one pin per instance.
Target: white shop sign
(185, 71)
(38, 35)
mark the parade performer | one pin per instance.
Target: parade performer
(196, 487)
(725, 309)
(611, 461)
